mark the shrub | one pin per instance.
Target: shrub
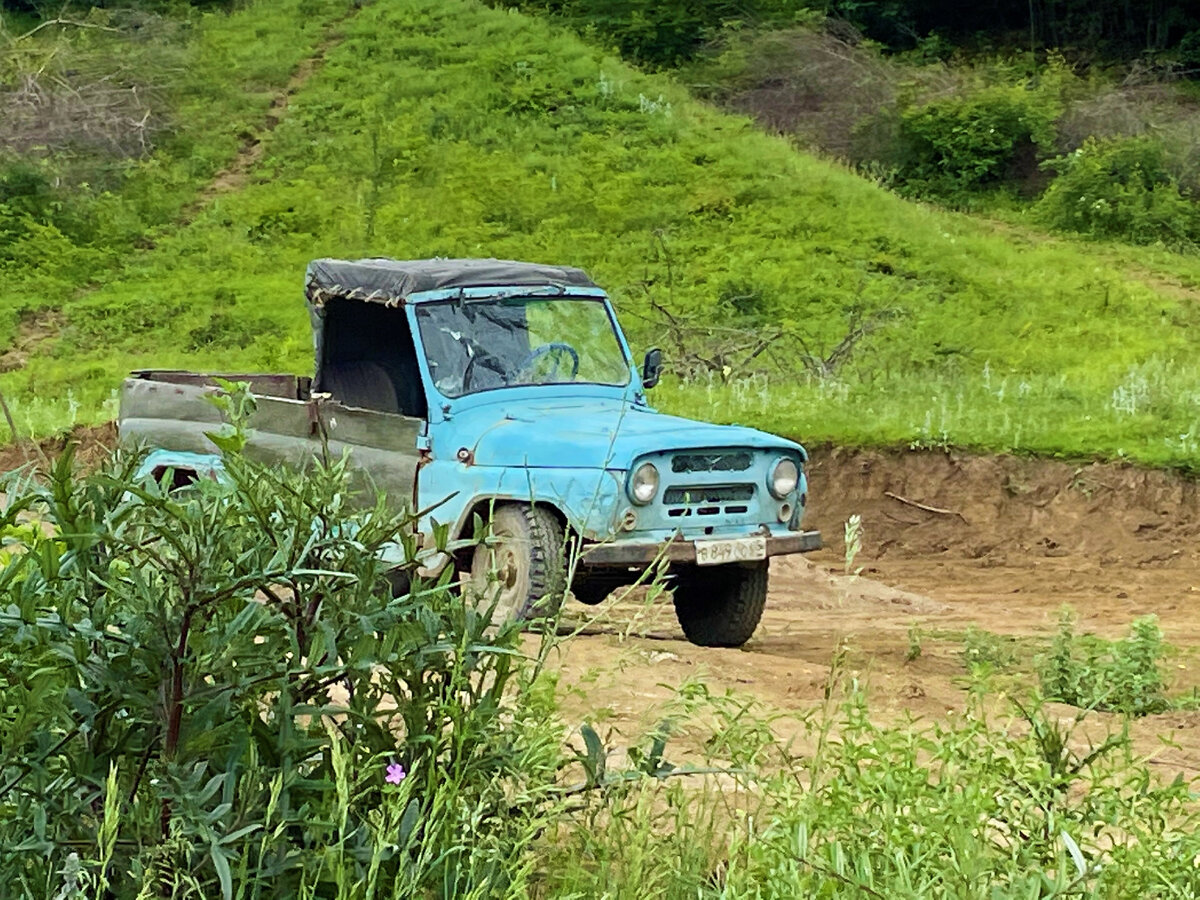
(25, 188)
(208, 688)
(1122, 188)
(1189, 53)
(984, 651)
(1121, 676)
(966, 143)
(26, 199)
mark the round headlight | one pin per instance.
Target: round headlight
(784, 478)
(644, 484)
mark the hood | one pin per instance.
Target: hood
(585, 433)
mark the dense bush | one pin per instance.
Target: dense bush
(1189, 53)
(964, 143)
(1121, 676)
(30, 199)
(204, 694)
(658, 32)
(1123, 188)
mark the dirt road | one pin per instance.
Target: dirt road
(1010, 542)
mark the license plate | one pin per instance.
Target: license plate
(713, 553)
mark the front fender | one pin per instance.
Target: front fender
(591, 501)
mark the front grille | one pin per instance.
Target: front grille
(708, 500)
(717, 461)
(709, 493)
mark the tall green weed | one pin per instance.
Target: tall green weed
(975, 807)
(1121, 676)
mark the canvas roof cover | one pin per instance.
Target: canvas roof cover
(392, 281)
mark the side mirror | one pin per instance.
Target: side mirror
(652, 368)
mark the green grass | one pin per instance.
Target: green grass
(446, 128)
(1147, 413)
(214, 75)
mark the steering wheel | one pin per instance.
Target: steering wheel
(485, 361)
(559, 348)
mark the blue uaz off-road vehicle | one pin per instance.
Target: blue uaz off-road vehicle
(504, 393)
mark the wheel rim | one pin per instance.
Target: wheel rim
(496, 577)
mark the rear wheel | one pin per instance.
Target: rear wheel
(520, 568)
(721, 606)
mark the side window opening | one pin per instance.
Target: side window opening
(370, 359)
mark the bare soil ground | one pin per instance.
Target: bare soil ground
(1015, 539)
(1012, 541)
(93, 443)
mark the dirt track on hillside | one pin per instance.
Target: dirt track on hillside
(1014, 541)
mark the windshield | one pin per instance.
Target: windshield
(481, 345)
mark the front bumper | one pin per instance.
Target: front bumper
(634, 553)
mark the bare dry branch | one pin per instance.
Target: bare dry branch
(923, 506)
(64, 22)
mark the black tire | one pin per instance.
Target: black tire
(521, 572)
(721, 606)
(398, 582)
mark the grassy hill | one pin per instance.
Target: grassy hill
(442, 127)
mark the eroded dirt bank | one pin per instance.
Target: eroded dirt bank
(1018, 537)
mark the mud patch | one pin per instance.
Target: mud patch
(34, 328)
(93, 443)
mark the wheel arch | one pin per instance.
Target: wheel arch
(483, 505)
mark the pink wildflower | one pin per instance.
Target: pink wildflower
(395, 773)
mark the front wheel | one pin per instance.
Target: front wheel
(520, 572)
(721, 606)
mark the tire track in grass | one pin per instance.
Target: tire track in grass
(236, 175)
